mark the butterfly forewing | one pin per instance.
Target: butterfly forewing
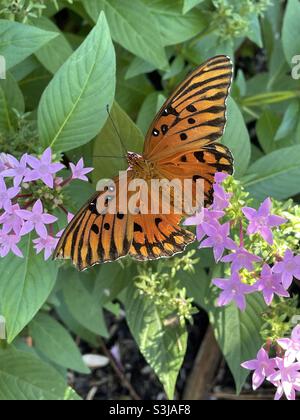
(195, 115)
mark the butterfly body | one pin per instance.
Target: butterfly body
(181, 144)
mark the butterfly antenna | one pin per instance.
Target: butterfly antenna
(117, 132)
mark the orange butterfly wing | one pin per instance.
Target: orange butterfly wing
(157, 236)
(96, 234)
(195, 115)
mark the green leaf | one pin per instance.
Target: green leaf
(71, 119)
(190, 4)
(56, 52)
(290, 30)
(25, 285)
(78, 298)
(19, 41)
(24, 377)
(255, 31)
(236, 137)
(54, 342)
(173, 25)
(108, 143)
(110, 281)
(266, 129)
(163, 346)
(150, 107)
(276, 174)
(10, 97)
(138, 66)
(238, 334)
(133, 27)
(289, 121)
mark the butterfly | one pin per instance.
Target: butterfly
(182, 143)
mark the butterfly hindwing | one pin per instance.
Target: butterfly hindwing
(157, 236)
(195, 115)
(95, 235)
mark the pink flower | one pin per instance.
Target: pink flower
(7, 194)
(221, 198)
(9, 242)
(289, 268)
(262, 221)
(47, 245)
(11, 220)
(233, 290)
(4, 162)
(43, 168)
(270, 284)
(291, 345)
(18, 170)
(241, 258)
(263, 367)
(286, 379)
(36, 220)
(79, 171)
(218, 239)
(220, 177)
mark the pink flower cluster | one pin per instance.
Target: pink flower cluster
(22, 211)
(212, 233)
(282, 372)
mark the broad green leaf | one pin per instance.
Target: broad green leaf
(108, 143)
(190, 4)
(289, 121)
(54, 342)
(110, 281)
(25, 285)
(236, 137)
(276, 175)
(290, 30)
(173, 25)
(87, 80)
(75, 326)
(133, 27)
(34, 85)
(25, 377)
(11, 98)
(149, 109)
(19, 41)
(138, 66)
(56, 52)
(255, 31)
(266, 129)
(163, 346)
(84, 307)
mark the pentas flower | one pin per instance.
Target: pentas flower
(17, 169)
(79, 171)
(4, 162)
(263, 367)
(36, 220)
(270, 284)
(233, 290)
(7, 194)
(262, 221)
(221, 198)
(241, 258)
(208, 216)
(9, 242)
(47, 245)
(291, 345)
(286, 379)
(288, 268)
(218, 239)
(43, 168)
(11, 221)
